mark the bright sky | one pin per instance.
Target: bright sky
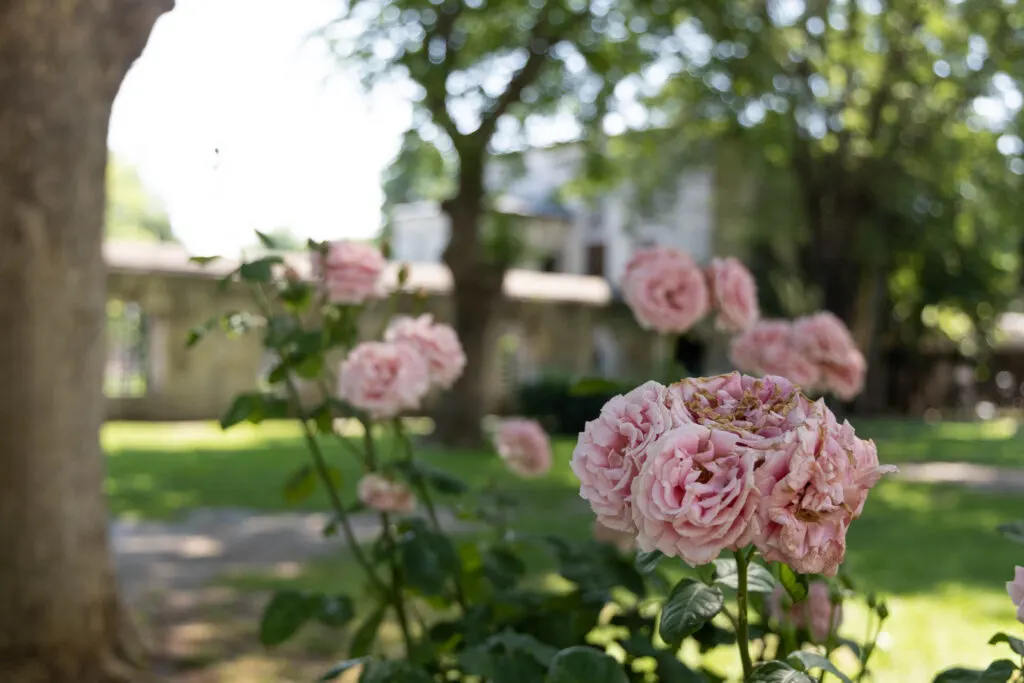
(238, 122)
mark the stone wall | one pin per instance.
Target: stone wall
(546, 324)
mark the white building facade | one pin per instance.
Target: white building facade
(592, 237)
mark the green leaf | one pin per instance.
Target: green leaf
(594, 386)
(393, 671)
(796, 585)
(585, 664)
(646, 562)
(243, 408)
(707, 572)
(203, 260)
(689, 606)
(811, 660)
(1016, 644)
(1013, 531)
(759, 579)
(260, 270)
(958, 675)
(284, 615)
(441, 481)
(503, 567)
(999, 671)
(340, 668)
(300, 485)
(266, 240)
(778, 672)
(428, 560)
(335, 610)
(366, 635)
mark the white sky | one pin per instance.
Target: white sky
(300, 144)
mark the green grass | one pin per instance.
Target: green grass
(931, 549)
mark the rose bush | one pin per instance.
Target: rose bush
(737, 490)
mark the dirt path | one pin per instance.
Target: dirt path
(995, 479)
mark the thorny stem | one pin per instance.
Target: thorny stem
(830, 642)
(869, 647)
(742, 629)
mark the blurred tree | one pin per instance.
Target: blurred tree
(133, 212)
(483, 71)
(61, 64)
(882, 140)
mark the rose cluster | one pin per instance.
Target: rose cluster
(668, 292)
(719, 463)
(816, 352)
(386, 378)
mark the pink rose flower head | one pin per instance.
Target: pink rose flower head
(733, 294)
(753, 408)
(620, 539)
(695, 495)
(385, 495)
(612, 449)
(813, 484)
(825, 340)
(351, 271)
(816, 613)
(524, 446)
(383, 379)
(767, 348)
(1016, 590)
(436, 342)
(665, 290)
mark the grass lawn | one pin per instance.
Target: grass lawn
(931, 549)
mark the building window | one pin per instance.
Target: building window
(549, 264)
(595, 260)
(127, 350)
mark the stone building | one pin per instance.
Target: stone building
(549, 322)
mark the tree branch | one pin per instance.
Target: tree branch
(436, 84)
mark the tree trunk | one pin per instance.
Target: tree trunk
(61, 64)
(476, 289)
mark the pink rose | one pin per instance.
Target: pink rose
(384, 495)
(733, 293)
(665, 290)
(767, 348)
(816, 613)
(695, 495)
(845, 379)
(823, 338)
(383, 379)
(1016, 590)
(753, 408)
(524, 446)
(351, 271)
(436, 342)
(813, 484)
(612, 449)
(620, 539)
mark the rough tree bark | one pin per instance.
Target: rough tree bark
(61, 64)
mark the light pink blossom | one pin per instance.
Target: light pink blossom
(436, 342)
(1016, 590)
(383, 379)
(351, 271)
(695, 495)
(816, 613)
(665, 289)
(385, 495)
(620, 539)
(733, 293)
(524, 446)
(753, 408)
(612, 449)
(845, 379)
(813, 482)
(768, 348)
(823, 338)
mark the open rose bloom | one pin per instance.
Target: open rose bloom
(436, 342)
(384, 379)
(1016, 590)
(719, 463)
(665, 289)
(351, 272)
(385, 495)
(524, 446)
(733, 294)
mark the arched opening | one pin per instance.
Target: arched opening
(690, 354)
